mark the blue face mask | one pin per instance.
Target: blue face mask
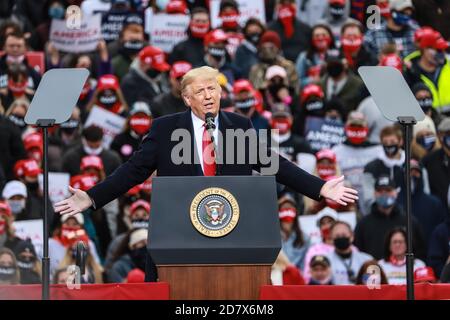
(56, 12)
(427, 142)
(385, 201)
(400, 19)
(440, 57)
(447, 141)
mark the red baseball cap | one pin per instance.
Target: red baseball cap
(326, 154)
(179, 69)
(214, 36)
(312, 90)
(108, 81)
(32, 140)
(136, 276)
(134, 191)
(26, 167)
(177, 6)
(392, 60)
(146, 186)
(91, 162)
(140, 204)
(83, 182)
(5, 208)
(441, 44)
(242, 85)
(342, 2)
(154, 57)
(424, 274)
(419, 33)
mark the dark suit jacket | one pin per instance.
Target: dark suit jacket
(155, 154)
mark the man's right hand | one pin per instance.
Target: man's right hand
(77, 203)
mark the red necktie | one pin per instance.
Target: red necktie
(209, 161)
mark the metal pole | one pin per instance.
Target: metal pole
(45, 259)
(409, 253)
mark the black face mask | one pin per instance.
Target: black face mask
(274, 87)
(267, 55)
(139, 224)
(335, 69)
(337, 11)
(70, 126)
(390, 150)
(217, 53)
(152, 73)
(26, 264)
(416, 184)
(138, 256)
(440, 58)
(33, 186)
(426, 104)
(18, 121)
(314, 107)
(253, 38)
(130, 48)
(7, 273)
(244, 104)
(107, 100)
(342, 243)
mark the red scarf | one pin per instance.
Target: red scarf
(350, 45)
(397, 262)
(286, 15)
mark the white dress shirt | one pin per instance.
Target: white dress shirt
(198, 125)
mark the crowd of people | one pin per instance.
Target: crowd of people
(296, 72)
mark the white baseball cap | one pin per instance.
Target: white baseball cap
(400, 5)
(14, 188)
(137, 236)
(326, 212)
(79, 217)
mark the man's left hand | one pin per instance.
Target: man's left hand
(335, 190)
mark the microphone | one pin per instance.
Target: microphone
(210, 125)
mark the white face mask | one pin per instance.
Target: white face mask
(17, 205)
(92, 152)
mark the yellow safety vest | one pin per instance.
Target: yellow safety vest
(441, 93)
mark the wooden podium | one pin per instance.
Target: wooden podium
(197, 264)
(214, 282)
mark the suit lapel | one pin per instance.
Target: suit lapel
(185, 122)
(224, 124)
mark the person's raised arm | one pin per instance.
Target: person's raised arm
(133, 172)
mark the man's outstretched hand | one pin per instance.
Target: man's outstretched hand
(335, 190)
(77, 203)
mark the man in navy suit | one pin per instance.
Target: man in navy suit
(201, 92)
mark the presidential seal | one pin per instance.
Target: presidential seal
(214, 212)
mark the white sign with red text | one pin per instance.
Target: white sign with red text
(58, 185)
(83, 39)
(111, 123)
(166, 30)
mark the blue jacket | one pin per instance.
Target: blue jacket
(426, 208)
